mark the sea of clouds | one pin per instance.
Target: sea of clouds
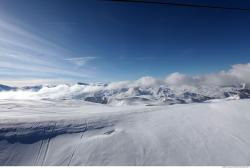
(237, 75)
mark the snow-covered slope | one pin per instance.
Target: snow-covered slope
(74, 132)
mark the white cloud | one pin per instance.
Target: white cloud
(238, 74)
(118, 85)
(148, 81)
(180, 79)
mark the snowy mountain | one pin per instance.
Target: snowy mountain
(129, 93)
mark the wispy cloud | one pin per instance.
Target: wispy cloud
(80, 61)
(25, 53)
(30, 82)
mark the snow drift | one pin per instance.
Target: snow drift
(80, 133)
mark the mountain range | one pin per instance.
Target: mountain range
(122, 94)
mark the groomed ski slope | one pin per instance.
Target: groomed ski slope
(80, 133)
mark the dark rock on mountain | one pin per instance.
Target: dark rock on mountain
(33, 88)
(102, 100)
(81, 83)
(6, 88)
(244, 93)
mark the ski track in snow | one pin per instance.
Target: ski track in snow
(80, 133)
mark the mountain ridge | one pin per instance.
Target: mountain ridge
(127, 94)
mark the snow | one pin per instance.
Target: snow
(75, 132)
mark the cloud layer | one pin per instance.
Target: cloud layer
(238, 74)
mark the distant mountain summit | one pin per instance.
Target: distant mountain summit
(81, 83)
(34, 88)
(6, 88)
(9, 88)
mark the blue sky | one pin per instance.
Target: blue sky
(97, 41)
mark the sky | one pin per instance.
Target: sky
(44, 41)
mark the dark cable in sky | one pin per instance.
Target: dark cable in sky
(180, 4)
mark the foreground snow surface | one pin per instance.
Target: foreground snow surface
(80, 133)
